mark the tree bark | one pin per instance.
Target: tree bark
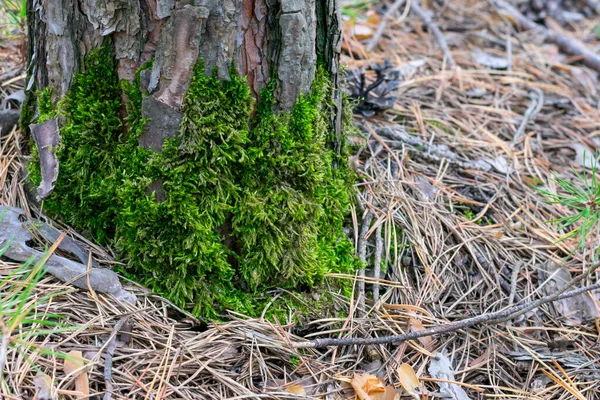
(259, 37)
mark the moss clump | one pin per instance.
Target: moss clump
(291, 209)
(248, 202)
(84, 195)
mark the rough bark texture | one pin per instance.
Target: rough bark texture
(261, 38)
(258, 36)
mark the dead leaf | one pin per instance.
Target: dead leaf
(481, 359)
(440, 367)
(362, 32)
(409, 381)
(75, 364)
(44, 388)
(501, 165)
(584, 156)
(298, 390)
(415, 326)
(389, 393)
(373, 18)
(571, 311)
(367, 386)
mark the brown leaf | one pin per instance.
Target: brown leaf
(362, 32)
(75, 364)
(409, 381)
(297, 390)
(367, 385)
(389, 393)
(482, 358)
(415, 326)
(44, 389)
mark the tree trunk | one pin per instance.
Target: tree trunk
(203, 139)
(259, 37)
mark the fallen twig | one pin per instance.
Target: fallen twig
(537, 102)
(514, 276)
(16, 233)
(430, 152)
(567, 44)
(384, 20)
(377, 263)
(110, 351)
(439, 36)
(494, 317)
(362, 255)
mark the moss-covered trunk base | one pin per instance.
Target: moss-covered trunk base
(239, 200)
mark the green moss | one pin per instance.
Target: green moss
(46, 109)
(292, 207)
(251, 202)
(84, 195)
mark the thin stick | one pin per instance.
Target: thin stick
(494, 317)
(537, 102)
(514, 276)
(110, 351)
(437, 34)
(567, 44)
(377, 266)
(384, 20)
(362, 255)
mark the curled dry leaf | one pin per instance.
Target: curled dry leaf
(409, 381)
(298, 390)
(75, 364)
(370, 387)
(415, 326)
(44, 389)
(367, 384)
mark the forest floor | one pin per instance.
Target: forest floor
(456, 145)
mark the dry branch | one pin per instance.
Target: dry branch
(439, 36)
(362, 255)
(384, 20)
(493, 317)
(377, 262)
(110, 351)
(567, 44)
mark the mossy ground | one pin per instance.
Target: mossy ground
(251, 200)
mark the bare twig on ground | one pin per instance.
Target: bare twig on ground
(554, 296)
(537, 102)
(377, 263)
(110, 351)
(439, 36)
(494, 317)
(428, 151)
(567, 44)
(514, 276)
(384, 20)
(362, 255)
